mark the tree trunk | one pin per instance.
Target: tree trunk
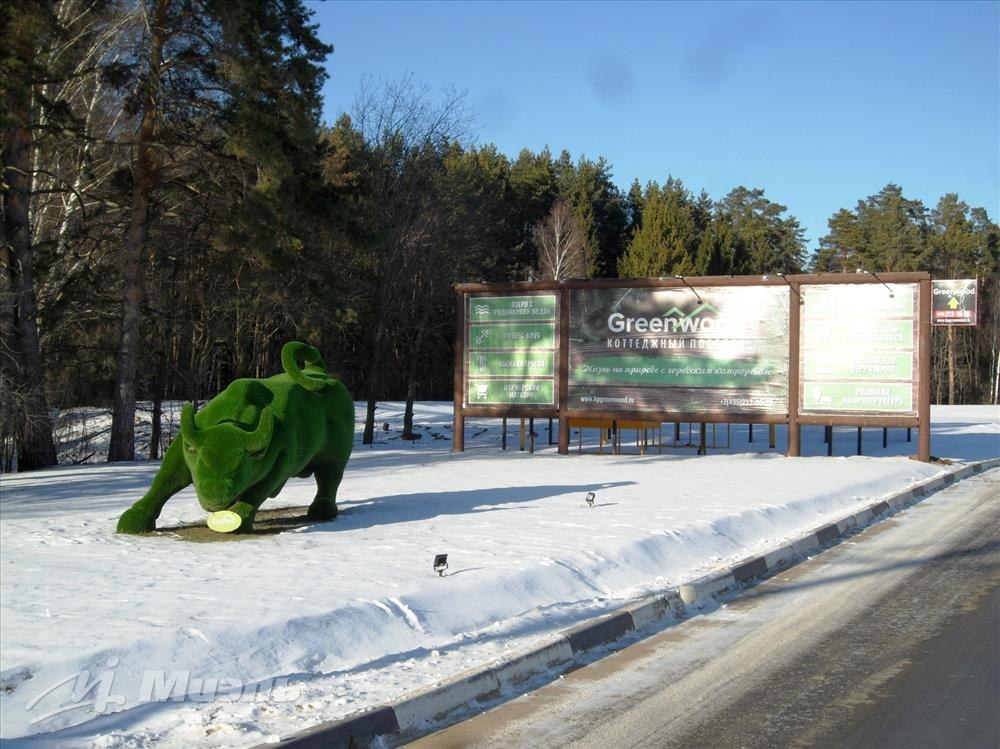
(374, 381)
(411, 379)
(23, 362)
(411, 394)
(122, 445)
(156, 428)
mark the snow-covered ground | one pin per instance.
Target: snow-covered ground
(112, 641)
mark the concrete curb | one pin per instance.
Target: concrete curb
(417, 710)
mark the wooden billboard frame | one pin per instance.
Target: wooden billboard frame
(793, 419)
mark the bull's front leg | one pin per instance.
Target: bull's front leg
(173, 476)
(248, 504)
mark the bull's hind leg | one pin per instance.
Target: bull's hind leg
(324, 506)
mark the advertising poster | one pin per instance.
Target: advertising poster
(716, 350)
(858, 348)
(953, 302)
(510, 347)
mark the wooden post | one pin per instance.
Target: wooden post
(771, 430)
(562, 383)
(458, 430)
(701, 445)
(794, 323)
(924, 373)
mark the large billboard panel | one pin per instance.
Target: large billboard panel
(858, 349)
(710, 350)
(511, 342)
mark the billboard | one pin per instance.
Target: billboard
(858, 349)
(953, 302)
(714, 350)
(510, 349)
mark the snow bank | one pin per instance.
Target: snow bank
(233, 643)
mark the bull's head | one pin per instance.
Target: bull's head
(226, 459)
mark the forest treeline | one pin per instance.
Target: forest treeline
(175, 210)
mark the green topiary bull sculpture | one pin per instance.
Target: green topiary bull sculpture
(246, 442)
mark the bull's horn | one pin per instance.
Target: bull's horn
(258, 440)
(189, 430)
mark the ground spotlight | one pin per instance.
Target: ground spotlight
(440, 564)
(590, 499)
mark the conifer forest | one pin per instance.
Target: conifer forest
(175, 209)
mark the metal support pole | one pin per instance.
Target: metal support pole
(909, 434)
(829, 441)
(522, 435)
(750, 431)
(771, 431)
(503, 436)
(885, 437)
(531, 433)
(704, 434)
(859, 440)
(550, 431)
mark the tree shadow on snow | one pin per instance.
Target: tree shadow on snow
(395, 508)
(406, 508)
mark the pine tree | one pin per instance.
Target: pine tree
(243, 84)
(665, 243)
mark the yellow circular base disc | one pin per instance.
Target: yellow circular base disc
(224, 521)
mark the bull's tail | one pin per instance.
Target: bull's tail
(314, 375)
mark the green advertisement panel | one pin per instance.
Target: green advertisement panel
(676, 371)
(887, 397)
(510, 349)
(870, 301)
(850, 335)
(713, 350)
(516, 336)
(859, 365)
(511, 392)
(512, 364)
(859, 347)
(513, 307)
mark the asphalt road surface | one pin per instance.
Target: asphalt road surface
(891, 639)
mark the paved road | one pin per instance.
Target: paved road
(891, 639)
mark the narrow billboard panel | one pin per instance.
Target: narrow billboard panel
(510, 349)
(858, 346)
(953, 302)
(714, 350)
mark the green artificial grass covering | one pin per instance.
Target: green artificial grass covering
(247, 441)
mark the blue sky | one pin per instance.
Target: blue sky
(819, 104)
